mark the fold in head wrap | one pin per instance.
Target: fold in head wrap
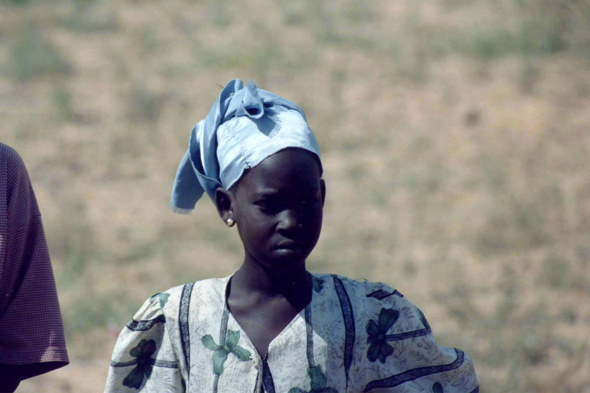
(244, 126)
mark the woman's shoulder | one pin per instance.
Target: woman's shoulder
(215, 284)
(372, 298)
(13, 168)
(12, 163)
(374, 288)
(7, 152)
(165, 304)
(360, 287)
(393, 341)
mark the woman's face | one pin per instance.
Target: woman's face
(277, 206)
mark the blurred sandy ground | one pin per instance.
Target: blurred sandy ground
(455, 139)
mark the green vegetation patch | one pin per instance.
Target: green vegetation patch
(32, 55)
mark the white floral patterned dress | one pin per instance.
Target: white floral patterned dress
(354, 336)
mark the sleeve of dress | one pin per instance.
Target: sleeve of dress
(144, 359)
(31, 329)
(398, 352)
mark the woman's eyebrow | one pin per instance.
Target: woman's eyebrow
(270, 193)
(266, 193)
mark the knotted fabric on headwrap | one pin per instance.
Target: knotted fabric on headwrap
(244, 126)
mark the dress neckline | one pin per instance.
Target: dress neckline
(299, 316)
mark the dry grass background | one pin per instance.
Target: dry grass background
(455, 137)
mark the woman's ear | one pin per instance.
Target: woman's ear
(323, 191)
(223, 203)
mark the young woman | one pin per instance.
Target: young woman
(272, 326)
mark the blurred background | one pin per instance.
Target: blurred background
(455, 137)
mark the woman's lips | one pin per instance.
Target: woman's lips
(289, 245)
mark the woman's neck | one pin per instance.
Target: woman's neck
(252, 279)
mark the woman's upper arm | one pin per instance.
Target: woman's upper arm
(144, 358)
(399, 351)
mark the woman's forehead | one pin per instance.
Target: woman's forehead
(290, 169)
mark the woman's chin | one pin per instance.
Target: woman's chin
(287, 261)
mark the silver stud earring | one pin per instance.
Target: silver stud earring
(230, 222)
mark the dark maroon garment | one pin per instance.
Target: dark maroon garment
(31, 329)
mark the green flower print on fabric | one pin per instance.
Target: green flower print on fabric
(163, 297)
(143, 352)
(318, 382)
(379, 348)
(221, 352)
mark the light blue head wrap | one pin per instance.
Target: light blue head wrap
(244, 126)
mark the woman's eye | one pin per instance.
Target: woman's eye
(308, 201)
(267, 206)
(273, 206)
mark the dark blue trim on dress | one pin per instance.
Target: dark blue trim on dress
(309, 333)
(142, 326)
(402, 336)
(416, 373)
(381, 294)
(183, 313)
(152, 361)
(123, 364)
(164, 363)
(348, 316)
(267, 381)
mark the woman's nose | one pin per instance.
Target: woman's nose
(289, 220)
